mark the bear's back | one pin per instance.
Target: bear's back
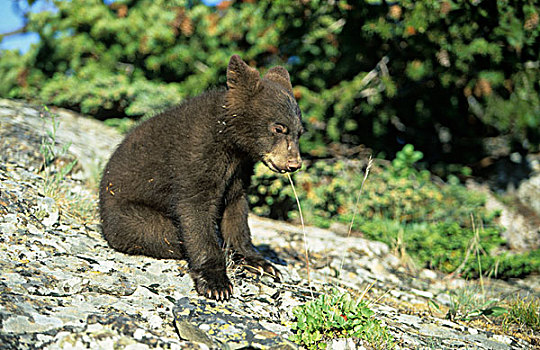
(156, 151)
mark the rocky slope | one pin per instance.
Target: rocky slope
(62, 287)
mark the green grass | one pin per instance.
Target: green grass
(523, 313)
(471, 303)
(517, 313)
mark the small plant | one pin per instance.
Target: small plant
(405, 159)
(56, 165)
(523, 312)
(337, 315)
(469, 303)
(50, 152)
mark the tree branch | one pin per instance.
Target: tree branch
(15, 32)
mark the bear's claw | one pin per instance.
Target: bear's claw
(261, 266)
(216, 287)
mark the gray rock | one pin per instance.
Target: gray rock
(62, 287)
(220, 326)
(342, 344)
(521, 232)
(529, 193)
(47, 211)
(7, 229)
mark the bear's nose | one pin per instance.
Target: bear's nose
(294, 164)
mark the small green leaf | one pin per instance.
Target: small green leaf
(433, 304)
(495, 311)
(367, 312)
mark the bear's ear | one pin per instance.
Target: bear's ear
(242, 77)
(279, 75)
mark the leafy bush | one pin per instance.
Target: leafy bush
(401, 206)
(337, 315)
(441, 75)
(395, 191)
(479, 56)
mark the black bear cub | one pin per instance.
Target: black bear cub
(176, 186)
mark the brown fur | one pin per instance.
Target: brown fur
(183, 173)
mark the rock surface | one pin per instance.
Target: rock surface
(522, 231)
(529, 192)
(62, 287)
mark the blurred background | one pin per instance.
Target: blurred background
(442, 93)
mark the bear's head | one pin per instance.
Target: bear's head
(262, 115)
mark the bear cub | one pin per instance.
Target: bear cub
(175, 188)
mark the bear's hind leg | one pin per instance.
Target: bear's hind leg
(138, 229)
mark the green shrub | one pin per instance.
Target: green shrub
(368, 72)
(122, 125)
(395, 191)
(402, 206)
(337, 315)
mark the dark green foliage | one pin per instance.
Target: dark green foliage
(439, 74)
(446, 246)
(516, 265)
(480, 57)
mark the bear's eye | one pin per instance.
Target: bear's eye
(279, 129)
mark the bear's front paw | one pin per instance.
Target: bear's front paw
(213, 285)
(260, 265)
